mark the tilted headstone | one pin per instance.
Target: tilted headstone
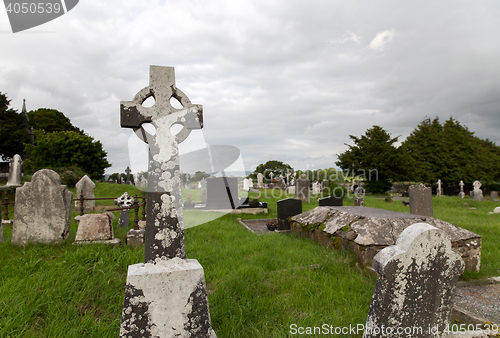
(85, 186)
(477, 193)
(15, 170)
(166, 296)
(287, 208)
(125, 200)
(330, 201)
(222, 193)
(461, 194)
(96, 228)
(420, 200)
(302, 188)
(260, 181)
(42, 210)
(415, 284)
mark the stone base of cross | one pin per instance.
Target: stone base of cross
(165, 296)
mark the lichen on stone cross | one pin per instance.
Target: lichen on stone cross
(164, 235)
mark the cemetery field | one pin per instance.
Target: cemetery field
(258, 285)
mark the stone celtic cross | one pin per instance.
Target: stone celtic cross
(164, 235)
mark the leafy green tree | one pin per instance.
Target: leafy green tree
(450, 152)
(50, 120)
(198, 176)
(13, 135)
(276, 167)
(65, 149)
(374, 157)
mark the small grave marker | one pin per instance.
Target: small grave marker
(477, 193)
(420, 200)
(287, 208)
(302, 188)
(15, 169)
(330, 201)
(461, 194)
(86, 187)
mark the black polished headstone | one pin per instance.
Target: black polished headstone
(287, 208)
(218, 194)
(330, 201)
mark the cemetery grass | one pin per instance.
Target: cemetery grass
(258, 285)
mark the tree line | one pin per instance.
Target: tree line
(57, 142)
(447, 151)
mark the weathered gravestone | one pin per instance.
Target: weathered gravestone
(477, 193)
(287, 208)
(316, 188)
(42, 211)
(95, 228)
(330, 201)
(420, 200)
(15, 169)
(260, 181)
(222, 193)
(494, 196)
(125, 200)
(165, 296)
(415, 285)
(302, 188)
(86, 187)
(246, 184)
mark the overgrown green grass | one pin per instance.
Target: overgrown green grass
(258, 285)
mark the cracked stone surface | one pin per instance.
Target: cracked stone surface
(368, 230)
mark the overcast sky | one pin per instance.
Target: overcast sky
(281, 80)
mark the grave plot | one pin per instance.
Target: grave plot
(366, 231)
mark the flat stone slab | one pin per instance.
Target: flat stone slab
(257, 226)
(366, 231)
(480, 300)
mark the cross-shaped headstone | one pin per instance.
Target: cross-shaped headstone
(164, 235)
(461, 194)
(128, 171)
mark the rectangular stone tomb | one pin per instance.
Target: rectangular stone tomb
(366, 231)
